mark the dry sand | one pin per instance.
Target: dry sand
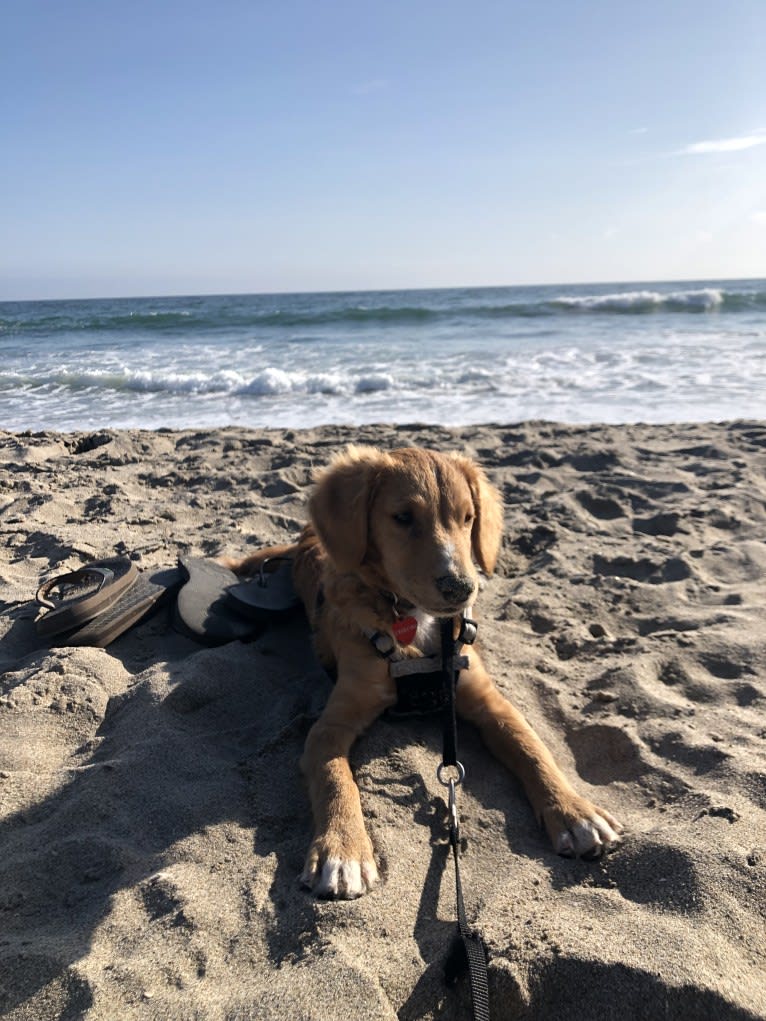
(154, 820)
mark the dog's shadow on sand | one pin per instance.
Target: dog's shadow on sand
(435, 937)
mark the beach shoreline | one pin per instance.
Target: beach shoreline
(153, 816)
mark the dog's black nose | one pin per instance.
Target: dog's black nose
(454, 588)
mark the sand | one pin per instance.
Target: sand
(154, 821)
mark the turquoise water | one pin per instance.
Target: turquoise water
(615, 353)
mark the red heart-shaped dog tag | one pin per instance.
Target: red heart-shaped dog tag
(405, 629)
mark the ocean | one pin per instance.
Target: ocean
(659, 352)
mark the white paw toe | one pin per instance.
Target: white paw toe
(341, 878)
(587, 838)
(565, 844)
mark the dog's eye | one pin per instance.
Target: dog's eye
(469, 518)
(403, 518)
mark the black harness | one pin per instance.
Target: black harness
(418, 694)
(423, 685)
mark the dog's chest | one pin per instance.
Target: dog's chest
(427, 637)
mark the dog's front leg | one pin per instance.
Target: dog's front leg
(340, 862)
(575, 825)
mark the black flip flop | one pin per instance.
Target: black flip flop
(148, 593)
(269, 593)
(75, 598)
(203, 611)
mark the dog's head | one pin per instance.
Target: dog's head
(411, 521)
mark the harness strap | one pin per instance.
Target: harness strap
(421, 665)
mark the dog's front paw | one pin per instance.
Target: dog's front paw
(340, 867)
(578, 827)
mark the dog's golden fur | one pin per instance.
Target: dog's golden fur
(405, 528)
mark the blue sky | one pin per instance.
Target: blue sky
(198, 147)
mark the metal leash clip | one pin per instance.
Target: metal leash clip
(454, 824)
(452, 783)
(456, 780)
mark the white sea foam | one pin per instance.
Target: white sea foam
(485, 377)
(325, 383)
(373, 382)
(269, 381)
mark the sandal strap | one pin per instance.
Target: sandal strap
(42, 596)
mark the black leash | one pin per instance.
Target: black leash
(468, 949)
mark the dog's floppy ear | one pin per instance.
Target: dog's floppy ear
(488, 521)
(340, 505)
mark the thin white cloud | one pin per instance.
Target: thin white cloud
(724, 145)
(759, 217)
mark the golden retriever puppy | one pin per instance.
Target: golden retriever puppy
(396, 535)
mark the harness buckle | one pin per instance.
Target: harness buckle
(468, 629)
(382, 642)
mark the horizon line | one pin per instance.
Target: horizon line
(379, 290)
